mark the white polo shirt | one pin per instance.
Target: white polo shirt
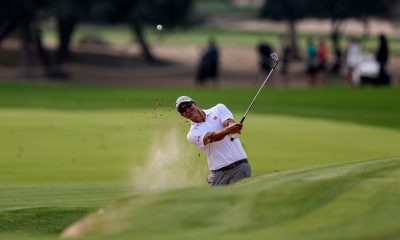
(220, 153)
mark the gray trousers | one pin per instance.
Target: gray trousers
(229, 176)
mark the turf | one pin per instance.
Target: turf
(66, 150)
(372, 106)
(353, 200)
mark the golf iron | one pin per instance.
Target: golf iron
(275, 58)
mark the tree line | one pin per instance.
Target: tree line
(24, 17)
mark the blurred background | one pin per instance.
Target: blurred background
(88, 121)
(200, 43)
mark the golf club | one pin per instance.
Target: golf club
(275, 58)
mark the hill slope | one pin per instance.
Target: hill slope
(356, 200)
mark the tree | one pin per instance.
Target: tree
(140, 13)
(68, 14)
(286, 10)
(25, 16)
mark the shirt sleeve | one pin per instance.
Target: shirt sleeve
(196, 137)
(224, 112)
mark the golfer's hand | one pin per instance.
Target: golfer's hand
(234, 128)
(220, 134)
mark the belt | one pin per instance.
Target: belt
(232, 165)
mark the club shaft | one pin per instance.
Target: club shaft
(258, 92)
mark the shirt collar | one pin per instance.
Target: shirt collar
(207, 112)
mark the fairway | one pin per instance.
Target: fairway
(67, 151)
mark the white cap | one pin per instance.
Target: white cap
(182, 99)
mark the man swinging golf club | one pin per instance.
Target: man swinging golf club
(211, 131)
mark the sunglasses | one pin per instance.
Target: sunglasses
(182, 108)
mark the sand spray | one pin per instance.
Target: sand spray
(172, 163)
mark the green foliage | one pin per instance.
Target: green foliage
(24, 10)
(285, 9)
(73, 10)
(169, 13)
(331, 9)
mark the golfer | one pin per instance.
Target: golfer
(211, 131)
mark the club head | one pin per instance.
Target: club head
(274, 56)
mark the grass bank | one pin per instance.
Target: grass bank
(354, 200)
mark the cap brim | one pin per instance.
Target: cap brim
(183, 102)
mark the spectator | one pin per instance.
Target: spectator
(285, 60)
(382, 57)
(312, 66)
(209, 64)
(264, 50)
(353, 57)
(337, 64)
(322, 58)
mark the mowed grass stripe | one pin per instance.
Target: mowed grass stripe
(372, 106)
(276, 143)
(59, 146)
(59, 196)
(106, 146)
(355, 200)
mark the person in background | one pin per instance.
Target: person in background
(353, 58)
(312, 64)
(337, 54)
(264, 51)
(322, 59)
(209, 64)
(285, 60)
(382, 57)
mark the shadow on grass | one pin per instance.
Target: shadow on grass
(40, 221)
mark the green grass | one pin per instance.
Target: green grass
(36, 220)
(371, 106)
(66, 150)
(354, 200)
